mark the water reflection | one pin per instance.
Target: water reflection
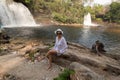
(85, 36)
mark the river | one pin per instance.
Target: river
(86, 36)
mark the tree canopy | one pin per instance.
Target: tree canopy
(113, 15)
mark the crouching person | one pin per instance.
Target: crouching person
(59, 47)
(98, 47)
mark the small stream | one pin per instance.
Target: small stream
(85, 36)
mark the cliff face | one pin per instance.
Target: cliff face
(87, 65)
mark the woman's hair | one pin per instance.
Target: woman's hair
(59, 32)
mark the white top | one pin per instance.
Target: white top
(60, 45)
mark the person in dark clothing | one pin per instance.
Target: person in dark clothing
(98, 47)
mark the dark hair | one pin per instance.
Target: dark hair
(97, 41)
(59, 32)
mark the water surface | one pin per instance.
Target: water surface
(85, 36)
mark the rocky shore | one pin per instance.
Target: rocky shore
(15, 65)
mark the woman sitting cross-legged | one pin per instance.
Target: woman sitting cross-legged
(59, 48)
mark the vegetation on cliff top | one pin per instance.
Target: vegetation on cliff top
(73, 11)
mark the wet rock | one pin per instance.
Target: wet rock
(83, 73)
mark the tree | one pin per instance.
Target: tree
(113, 15)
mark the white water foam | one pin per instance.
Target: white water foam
(88, 21)
(13, 14)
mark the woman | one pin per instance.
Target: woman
(59, 48)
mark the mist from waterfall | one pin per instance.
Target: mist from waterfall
(88, 20)
(15, 14)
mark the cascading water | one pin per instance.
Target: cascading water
(88, 21)
(15, 14)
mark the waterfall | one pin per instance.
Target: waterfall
(15, 14)
(88, 21)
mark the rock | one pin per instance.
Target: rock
(34, 52)
(4, 38)
(83, 73)
(10, 77)
(87, 66)
(43, 49)
(38, 50)
(60, 61)
(4, 51)
(77, 45)
(114, 56)
(112, 69)
(91, 62)
(37, 54)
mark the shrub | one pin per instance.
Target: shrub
(59, 17)
(65, 75)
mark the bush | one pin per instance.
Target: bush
(59, 17)
(99, 19)
(65, 75)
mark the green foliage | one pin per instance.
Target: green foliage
(1, 49)
(113, 15)
(97, 9)
(66, 12)
(99, 19)
(59, 17)
(65, 74)
(31, 55)
(27, 1)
